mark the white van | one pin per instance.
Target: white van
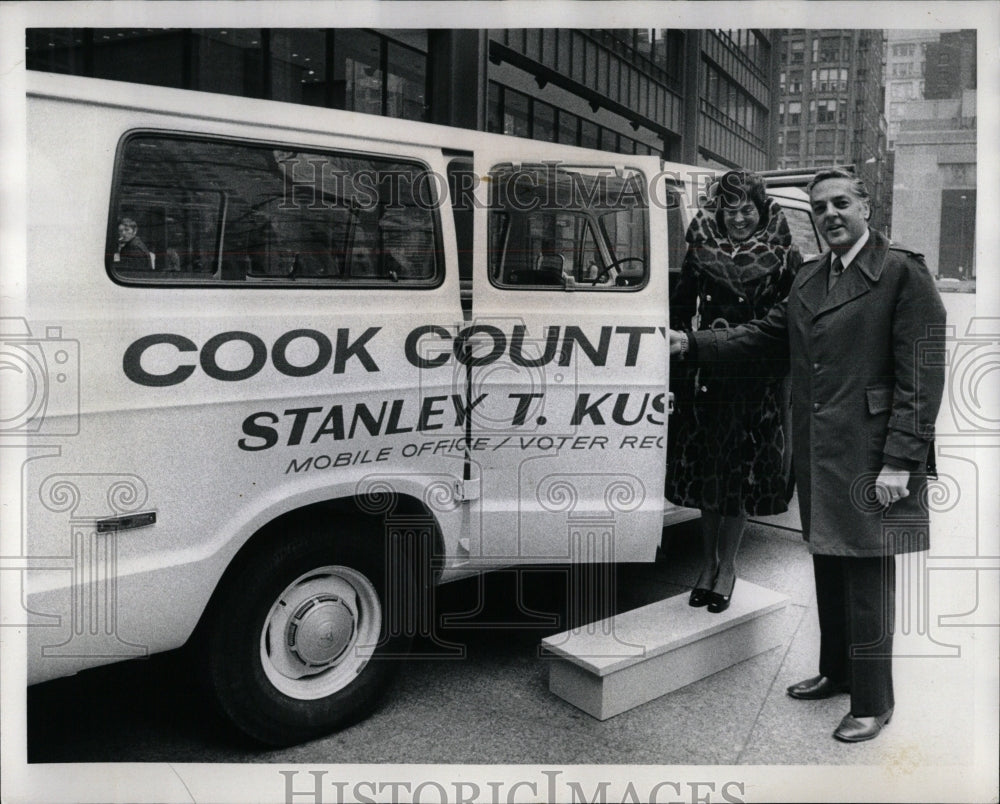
(294, 366)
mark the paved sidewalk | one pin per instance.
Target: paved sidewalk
(499, 695)
(491, 705)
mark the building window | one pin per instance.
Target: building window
(359, 67)
(382, 73)
(590, 134)
(406, 82)
(797, 51)
(543, 122)
(143, 56)
(793, 141)
(794, 113)
(825, 111)
(298, 67)
(516, 113)
(644, 42)
(669, 50)
(230, 61)
(829, 49)
(829, 79)
(711, 85)
(569, 125)
(825, 141)
(61, 50)
(494, 108)
(380, 76)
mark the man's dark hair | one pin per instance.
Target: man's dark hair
(857, 184)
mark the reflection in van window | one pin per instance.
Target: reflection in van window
(213, 212)
(803, 232)
(554, 227)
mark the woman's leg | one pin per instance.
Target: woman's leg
(730, 534)
(709, 549)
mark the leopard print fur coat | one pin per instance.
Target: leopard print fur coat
(728, 448)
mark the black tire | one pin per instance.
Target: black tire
(314, 604)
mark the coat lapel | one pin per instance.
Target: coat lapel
(864, 271)
(812, 284)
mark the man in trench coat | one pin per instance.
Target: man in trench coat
(863, 328)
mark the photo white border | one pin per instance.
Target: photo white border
(162, 782)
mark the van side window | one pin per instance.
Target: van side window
(556, 228)
(211, 212)
(803, 231)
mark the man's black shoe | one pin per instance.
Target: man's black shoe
(817, 688)
(858, 729)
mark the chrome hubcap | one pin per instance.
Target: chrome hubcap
(320, 632)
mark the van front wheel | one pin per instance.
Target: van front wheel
(298, 645)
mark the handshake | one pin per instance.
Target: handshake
(678, 343)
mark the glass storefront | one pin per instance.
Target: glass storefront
(617, 90)
(382, 73)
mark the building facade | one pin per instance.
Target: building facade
(830, 107)
(936, 160)
(951, 65)
(696, 96)
(905, 69)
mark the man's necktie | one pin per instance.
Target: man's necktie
(836, 269)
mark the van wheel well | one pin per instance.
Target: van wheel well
(305, 630)
(269, 536)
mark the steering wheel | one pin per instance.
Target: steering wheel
(614, 264)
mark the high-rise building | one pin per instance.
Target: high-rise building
(695, 96)
(830, 106)
(700, 97)
(935, 158)
(951, 65)
(905, 67)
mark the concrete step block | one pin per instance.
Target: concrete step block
(613, 665)
(675, 514)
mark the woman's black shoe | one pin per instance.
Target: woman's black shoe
(718, 603)
(699, 597)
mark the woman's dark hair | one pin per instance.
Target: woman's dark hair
(733, 190)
